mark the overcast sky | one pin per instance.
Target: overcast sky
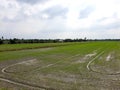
(60, 19)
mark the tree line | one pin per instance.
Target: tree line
(20, 41)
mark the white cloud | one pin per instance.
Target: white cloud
(60, 18)
(9, 9)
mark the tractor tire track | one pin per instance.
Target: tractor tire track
(22, 84)
(88, 65)
(26, 84)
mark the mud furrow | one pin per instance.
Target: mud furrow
(88, 65)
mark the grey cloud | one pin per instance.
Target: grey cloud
(115, 25)
(56, 11)
(114, 16)
(112, 25)
(86, 12)
(101, 28)
(31, 1)
(102, 19)
(19, 17)
(102, 31)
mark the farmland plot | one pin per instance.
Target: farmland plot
(80, 66)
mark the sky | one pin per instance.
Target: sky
(60, 19)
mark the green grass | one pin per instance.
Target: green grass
(14, 47)
(68, 65)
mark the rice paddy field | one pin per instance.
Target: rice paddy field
(60, 66)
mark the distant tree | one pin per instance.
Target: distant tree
(13, 41)
(1, 41)
(68, 40)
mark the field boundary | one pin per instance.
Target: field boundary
(37, 47)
